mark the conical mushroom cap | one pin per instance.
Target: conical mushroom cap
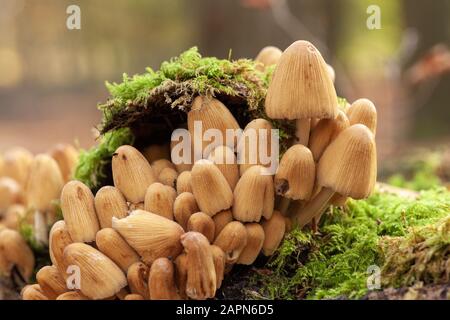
(363, 111)
(132, 173)
(159, 199)
(202, 223)
(137, 277)
(59, 239)
(15, 250)
(224, 159)
(201, 274)
(255, 240)
(184, 182)
(210, 188)
(16, 164)
(44, 183)
(253, 195)
(10, 193)
(161, 280)
(252, 146)
(110, 202)
(184, 206)
(232, 240)
(67, 158)
(268, 56)
(110, 243)
(301, 86)
(213, 115)
(274, 230)
(296, 173)
(151, 235)
(77, 205)
(349, 164)
(100, 277)
(51, 282)
(221, 220)
(326, 131)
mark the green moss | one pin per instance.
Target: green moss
(92, 168)
(335, 263)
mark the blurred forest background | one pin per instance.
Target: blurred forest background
(51, 78)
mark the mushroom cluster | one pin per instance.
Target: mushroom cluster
(29, 186)
(171, 230)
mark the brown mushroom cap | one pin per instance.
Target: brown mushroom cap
(184, 182)
(110, 202)
(100, 277)
(274, 230)
(184, 206)
(296, 173)
(137, 277)
(59, 239)
(268, 56)
(151, 235)
(224, 159)
(255, 240)
(161, 280)
(51, 282)
(67, 158)
(132, 173)
(253, 195)
(301, 86)
(77, 205)
(363, 111)
(213, 114)
(203, 223)
(159, 200)
(232, 240)
(16, 251)
(10, 193)
(210, 188)
(349, 164)
(16, 164)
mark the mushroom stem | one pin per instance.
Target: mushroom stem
(303, 127)
(314, 208)
(40, 228)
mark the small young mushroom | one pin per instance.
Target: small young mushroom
(16, 252)
(151, 235)
(202, 223)
(100, 277)
(182, 162)
(168, 177)
(110, 202)
(77, 205)
(274, 230)
(211, 114)
(159, 200)
(268, 56)
(254, 195)
(132, 173)
(184, 206)
(59, 239)
(201, 273)
(33, 292)
(224, 159)
(363, 111)
(255, 240)
(221, 220)
(295, 175)
(184, 182)
(301, 88)
(51, 282)
(210, 188)
(232, 240)
(348, 166)
(325, 132)
(161, 164)
(161, 281)
(137, 277)
(255, 145)
(111, 244)
(16, 164)
(67, 158)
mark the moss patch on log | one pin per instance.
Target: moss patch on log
(408, 239)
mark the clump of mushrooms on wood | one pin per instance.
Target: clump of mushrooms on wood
(167, 230)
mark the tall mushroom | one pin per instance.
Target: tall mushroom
(348, 166)
(301, 88)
